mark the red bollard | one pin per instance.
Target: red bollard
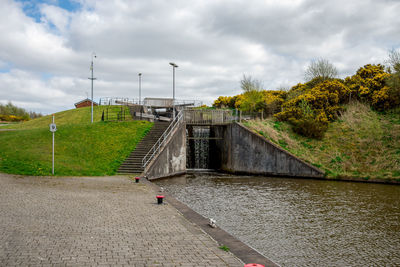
(137, 179)
(159, 199)
(253, 265)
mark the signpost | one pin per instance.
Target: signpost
(53, 129)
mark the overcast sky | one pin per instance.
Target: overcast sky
(46, 45)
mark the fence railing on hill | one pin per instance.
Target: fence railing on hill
(116, 113)
(246, 115)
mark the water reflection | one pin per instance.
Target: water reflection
(299, 222)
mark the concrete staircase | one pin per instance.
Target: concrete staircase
(133, 163)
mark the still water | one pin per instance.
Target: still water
(298, 222)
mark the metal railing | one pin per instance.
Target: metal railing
(110, 101)
(162, 140)
(148, 101)
(116, 113)
(209, 116)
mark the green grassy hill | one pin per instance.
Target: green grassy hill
(360, 144)
(81, 148)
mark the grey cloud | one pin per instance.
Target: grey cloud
(213, 42)
(300, 30)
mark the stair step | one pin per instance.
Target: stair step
(133, 163)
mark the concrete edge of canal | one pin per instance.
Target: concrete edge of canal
(337, 179)
(241, 250)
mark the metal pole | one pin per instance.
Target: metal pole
(52, 169)
(92, 91)
(91, 68)
(173, 87)
(140, 88)
(173, 90)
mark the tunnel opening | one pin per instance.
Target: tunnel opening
(201, 149)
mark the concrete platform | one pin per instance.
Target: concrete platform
(102, 221)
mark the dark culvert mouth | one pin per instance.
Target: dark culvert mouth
(198, 148)
(203, 148)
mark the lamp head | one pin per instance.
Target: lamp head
(173, 64)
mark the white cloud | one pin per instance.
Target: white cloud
(56, 16)
(213, 42)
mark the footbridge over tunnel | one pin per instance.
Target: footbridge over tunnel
(216, 139)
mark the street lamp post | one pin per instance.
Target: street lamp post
(91, 68)
(173, 87)
(140, 88)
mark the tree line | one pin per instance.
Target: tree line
(10, 112)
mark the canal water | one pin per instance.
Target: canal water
(299, 222)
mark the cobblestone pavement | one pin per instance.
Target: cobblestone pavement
(101, 221)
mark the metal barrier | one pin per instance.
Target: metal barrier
(209, 116)
(116, 113)
(167, 102)
(162, 140)
(110, 101)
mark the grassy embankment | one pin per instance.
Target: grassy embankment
(81, 148)
(360, 144)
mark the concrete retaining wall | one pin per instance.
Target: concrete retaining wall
(242, 151)
(172, 158)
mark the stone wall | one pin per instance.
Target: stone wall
(172, 158)
(243, 151)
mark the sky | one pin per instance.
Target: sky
(46, 46)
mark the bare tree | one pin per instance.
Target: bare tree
(321, 68)
(249, 84)
(394, 60)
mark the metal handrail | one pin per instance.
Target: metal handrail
(209, 117)
(162, 140)
(146, 101)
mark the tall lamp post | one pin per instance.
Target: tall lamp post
(173, 87)
(91, 68)
(140, 88)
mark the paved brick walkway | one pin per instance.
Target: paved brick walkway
(102, 221)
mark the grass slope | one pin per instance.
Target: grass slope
(360, 144)
(81, 148)
(72, 116)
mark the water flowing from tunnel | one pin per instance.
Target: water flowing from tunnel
(198, 148)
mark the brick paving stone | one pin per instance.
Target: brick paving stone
(97, 221)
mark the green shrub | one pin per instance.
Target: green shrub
(314, 127)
